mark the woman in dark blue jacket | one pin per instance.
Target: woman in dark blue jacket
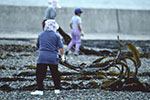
(49, 42)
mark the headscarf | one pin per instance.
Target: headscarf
(51, 25)
(54, 3)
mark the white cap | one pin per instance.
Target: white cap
(54, 3)
(51, 25)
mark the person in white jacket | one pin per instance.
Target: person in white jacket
(77, 32)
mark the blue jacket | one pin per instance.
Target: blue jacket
(48, 43)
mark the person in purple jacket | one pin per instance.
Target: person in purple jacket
(48, 42)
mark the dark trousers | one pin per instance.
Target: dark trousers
(41, 73)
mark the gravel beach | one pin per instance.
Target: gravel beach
(12, 63)
(89, 94)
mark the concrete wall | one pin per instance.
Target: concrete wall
(14, 18)
(28, 19)
(134, 21)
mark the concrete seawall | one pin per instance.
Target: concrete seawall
(28, 19)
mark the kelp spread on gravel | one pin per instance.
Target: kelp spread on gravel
(111, 67)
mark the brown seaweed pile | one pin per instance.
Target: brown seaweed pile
(122, 78)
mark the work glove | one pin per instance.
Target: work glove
(82, 33)
(63, 58)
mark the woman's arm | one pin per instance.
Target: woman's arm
(37, 43)
(79, 26)
(71, 25)
(61, 51)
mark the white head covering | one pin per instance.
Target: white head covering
(54, 3)
(51, 25)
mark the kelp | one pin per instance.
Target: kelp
(122, 71)
(65, 36)
(2, 67)
(111, 68)
(17, 48)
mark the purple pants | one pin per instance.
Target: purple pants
(76, 40)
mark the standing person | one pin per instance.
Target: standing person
(48, 42)
(75, 25)
(50, 12)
